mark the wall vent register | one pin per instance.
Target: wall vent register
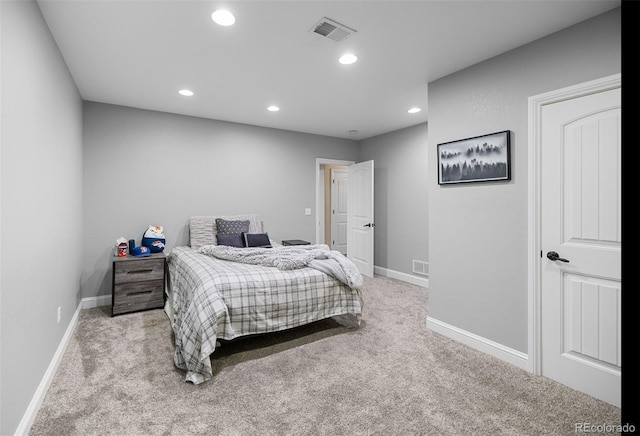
(421, 267)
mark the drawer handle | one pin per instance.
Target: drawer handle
(140, 292)
(140, 271)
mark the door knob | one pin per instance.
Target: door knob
(552, 255)
(369, 225)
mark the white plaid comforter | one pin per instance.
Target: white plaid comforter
(218, 299)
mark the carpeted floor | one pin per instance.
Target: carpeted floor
(389, 377)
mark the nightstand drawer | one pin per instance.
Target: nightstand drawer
(129, 297)
(138, 271)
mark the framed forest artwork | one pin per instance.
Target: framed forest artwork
(483, 158)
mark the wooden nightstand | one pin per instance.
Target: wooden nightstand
(137, 283)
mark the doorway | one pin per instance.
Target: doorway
(324, 196)
(336, 213)
(360, 210)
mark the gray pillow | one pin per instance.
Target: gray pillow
(231, 239)
(226, 227)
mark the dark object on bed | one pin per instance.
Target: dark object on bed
(229, 227)
(257, 240)
(233, 240)
(231, 232)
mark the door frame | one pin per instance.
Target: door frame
(319, 190)
(534, 245)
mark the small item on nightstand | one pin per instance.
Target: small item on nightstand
(121, 247)
(141, 251)
(154, 239)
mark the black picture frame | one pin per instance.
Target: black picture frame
(485, 158)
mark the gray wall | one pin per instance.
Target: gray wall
(146, 168)
(478, 232)
(400, 177)
(41, 205)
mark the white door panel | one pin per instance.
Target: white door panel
(360, 216)
(581, 221)
(339, 191)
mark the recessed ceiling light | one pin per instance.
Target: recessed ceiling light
(414, 110)
(185, 92)
(348, 59)
(223, 17)
(273, 108)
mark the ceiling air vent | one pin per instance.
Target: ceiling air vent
(331, 29)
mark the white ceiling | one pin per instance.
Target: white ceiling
(140, 53)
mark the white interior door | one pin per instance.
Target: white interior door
(339, 186)
(580, 202)
(360, 223)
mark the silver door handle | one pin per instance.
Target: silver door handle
(369, 225)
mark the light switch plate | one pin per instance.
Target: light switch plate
(307, 211)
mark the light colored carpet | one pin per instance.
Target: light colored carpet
(389, 377)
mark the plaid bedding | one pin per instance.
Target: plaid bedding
(318, 256)
(219, 299)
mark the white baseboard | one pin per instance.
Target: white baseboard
(99, 301)
(424, 282)
(47, 379)
(515, 357)
(43, 387)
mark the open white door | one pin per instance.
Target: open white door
(360, 216)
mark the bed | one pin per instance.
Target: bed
(221, 292)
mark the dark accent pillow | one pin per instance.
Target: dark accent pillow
(231, 239)
(257, 240)
(226, 227)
